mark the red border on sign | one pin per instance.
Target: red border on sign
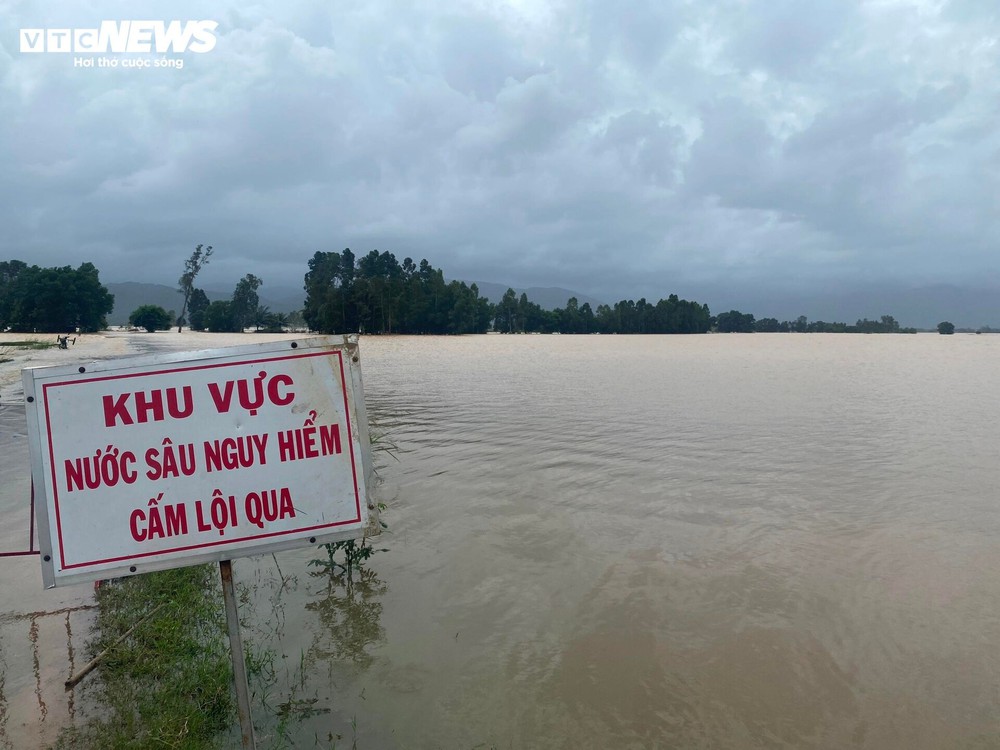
(77, 381)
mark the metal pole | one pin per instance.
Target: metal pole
(236, 649)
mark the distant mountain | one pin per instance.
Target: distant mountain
(547, 297)
(280, 299)
(284, 299)
(920, 307)
(131, 294)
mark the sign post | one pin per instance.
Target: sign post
(239, 662)
(163, 461)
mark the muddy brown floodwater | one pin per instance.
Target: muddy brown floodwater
(42, 633)
(715, 541)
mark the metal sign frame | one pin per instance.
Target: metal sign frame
(249, 392)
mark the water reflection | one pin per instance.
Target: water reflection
(349, 610)
(335, 628)
(38, 704)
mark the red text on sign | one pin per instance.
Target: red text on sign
(153, 522)
(107, 467)
(235, 453)
(251, 394)
(147, 406)
(301, 443)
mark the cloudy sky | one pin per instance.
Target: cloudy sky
(622, 149)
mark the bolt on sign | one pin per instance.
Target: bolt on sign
(156, 462)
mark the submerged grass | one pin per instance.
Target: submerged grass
(169, 683)
(28, 344)
(9, 347)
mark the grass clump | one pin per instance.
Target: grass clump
(169, 683)
(29, 344)
(9, 347)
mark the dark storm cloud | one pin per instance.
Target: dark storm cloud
(621, 150)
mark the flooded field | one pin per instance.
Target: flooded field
(633, 542)
(42, 633)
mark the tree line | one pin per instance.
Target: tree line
(52, 300)
(241, 311)
(515, 314)
(373, 294)
(378, 294)
(737, 322)
(234, 315)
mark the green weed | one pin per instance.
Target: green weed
(169, 683)
(27, 344)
